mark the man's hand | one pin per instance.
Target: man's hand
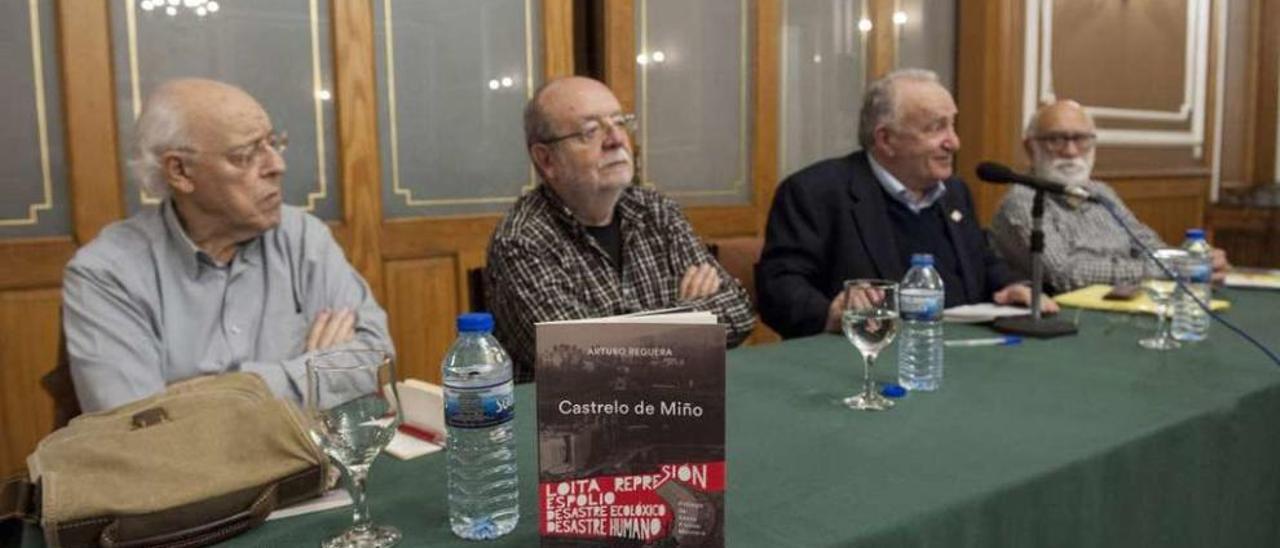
(836, 311)
(860, 298)
(331, 328)
(1220, 265)
(699, 281)
(1021, 294)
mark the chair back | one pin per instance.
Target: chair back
(61, 387)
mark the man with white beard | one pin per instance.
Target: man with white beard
(1082, 243)
(587, 242)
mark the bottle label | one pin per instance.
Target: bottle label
(921, 306)
(479, 407)
(1200, 273)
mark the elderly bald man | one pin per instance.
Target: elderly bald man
(221, 276)
(1083, 245)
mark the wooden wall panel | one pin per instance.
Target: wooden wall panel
(883, 39)
(557, 38)
(766, 68)
(1250, 235)
(1168, 205)
(28, 349)
(1267, 105)
(94, 170)
(358, 138)
(32, 263)
(987, 88)
(422, 305)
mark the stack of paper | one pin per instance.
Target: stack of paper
(981, 312)
(1254, 278)
(1092, 298)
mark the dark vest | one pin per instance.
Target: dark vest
(926, 232)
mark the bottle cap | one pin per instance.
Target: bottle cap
(921, 259)
(893, 391)
(1195, 233)
(475, 321)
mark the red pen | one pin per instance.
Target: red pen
(422, 434)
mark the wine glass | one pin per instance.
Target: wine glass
(1160, 273)
(350, 400)
(870, 322)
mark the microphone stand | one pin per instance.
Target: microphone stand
(1034, 325)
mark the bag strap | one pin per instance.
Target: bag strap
(205, 534)
(243, 510)
(18, 498)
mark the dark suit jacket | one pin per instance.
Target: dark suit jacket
(829, 223)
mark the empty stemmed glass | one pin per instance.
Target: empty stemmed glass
(1160, 273)
(350, 400)
(870, 322)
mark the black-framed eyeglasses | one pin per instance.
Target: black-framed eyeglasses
(1058, 142)
(594, 130)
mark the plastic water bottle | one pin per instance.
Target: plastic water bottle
(1190, 323)
(479, 410)
(921, 299)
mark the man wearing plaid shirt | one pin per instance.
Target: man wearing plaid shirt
(1082, 244)
(587, 242)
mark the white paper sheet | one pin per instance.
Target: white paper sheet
(981, 312)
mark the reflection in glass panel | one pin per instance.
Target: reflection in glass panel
(927, 38)
(692, 78)
(822, 71)
(277, 50)
(453, 81)
(32, 169)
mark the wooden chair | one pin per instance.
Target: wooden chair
(61, 387)
(475, 290)
(739, 257)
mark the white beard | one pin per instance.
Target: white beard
(1068, 171)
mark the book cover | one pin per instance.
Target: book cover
(631, 431)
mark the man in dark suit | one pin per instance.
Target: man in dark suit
(863, 215)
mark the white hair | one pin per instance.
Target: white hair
(1033, 124)
(880, 102)
(161, 127)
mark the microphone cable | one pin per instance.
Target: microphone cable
(1110, 207)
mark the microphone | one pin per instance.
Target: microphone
(992, 172)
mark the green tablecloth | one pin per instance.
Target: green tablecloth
(1084, 441)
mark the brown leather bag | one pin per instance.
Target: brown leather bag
(204, 461)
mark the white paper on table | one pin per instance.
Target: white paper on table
(1253, 278)
(404, 447)
(336, 498)
(423, 406)
(981, 312)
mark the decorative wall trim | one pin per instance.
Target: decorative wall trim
(783, 72)
(406, 194)
(735, 187)
(1219, 90)
(42, 129)
(1038, 82)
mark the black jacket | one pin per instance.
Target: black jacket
(829, 223)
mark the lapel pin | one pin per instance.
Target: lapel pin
(956, 216)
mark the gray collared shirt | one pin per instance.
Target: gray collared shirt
(143, 307)
(899, 191)
(1082, 243)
